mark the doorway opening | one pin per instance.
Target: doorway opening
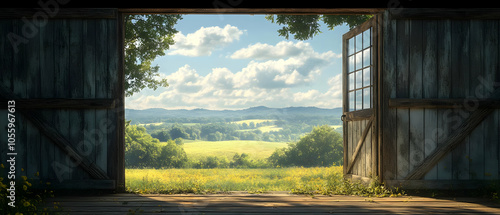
(242, 102)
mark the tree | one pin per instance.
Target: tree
(141, 150)
(304, 27)
(146, 37)
(321, 147)
(162, 135)
(172, 156)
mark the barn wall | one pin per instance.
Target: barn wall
(439, 59)
(62, 58)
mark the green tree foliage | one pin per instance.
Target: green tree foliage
(172, 156)
(146, 37)
(321, 147)
(161, 135)
(304, 27)
(141, 150)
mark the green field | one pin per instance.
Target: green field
(255, 149)
(248, 121)
(295, 179)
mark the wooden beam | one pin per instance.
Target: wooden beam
(62, 103)
(359, 145)
(232, 10)
(444, 103)
(50, 132)
(359, 115)
(444, 13)
(62, 13)
(451, 143)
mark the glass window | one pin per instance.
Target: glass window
(366, 77)
(351, 101)
(366, 58)
(366, 98)
(359, 42)
(351, 81)
(366, 39)
(359, 99)
(351, 64)
(350, 50)
(359, 71)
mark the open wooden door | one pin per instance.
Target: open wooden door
(359, 100)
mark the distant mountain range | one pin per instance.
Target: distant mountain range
(259, 111)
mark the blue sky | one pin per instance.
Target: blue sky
(239, 61)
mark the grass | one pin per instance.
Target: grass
(223, 180)
(255, 149)
(298, 180)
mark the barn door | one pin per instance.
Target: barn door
(359, 72)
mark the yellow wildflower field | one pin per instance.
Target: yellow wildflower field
(170, 181)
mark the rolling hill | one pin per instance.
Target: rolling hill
(148, 115)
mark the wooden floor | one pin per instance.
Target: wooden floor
(274, 203)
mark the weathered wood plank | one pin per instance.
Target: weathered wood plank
(76, 91)
(430, 89)
(444, 91)
(53, 135)
(403, 148)
(120, 110)
(491, 65)
(442, 103)
(101, 91)
(388, 116)
(270, 204)
(402, 91)
(368, 172)
(47, 68)
(33, 91)
(416, 116)
(456, 138)
(111, 125)
(6, 51)
(60, 118)
(89, 92)
(460, 43)
(63, 103)
(476, 140)
(61, 13)
(362, 158)
(19, 88)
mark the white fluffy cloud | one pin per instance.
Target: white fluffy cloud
(204, 40)
(270, 79)
(283, 49)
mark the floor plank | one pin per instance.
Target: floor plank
(273, 203)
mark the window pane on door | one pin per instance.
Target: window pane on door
(366, 77)
(359, 79)
(350, 66)
(366, 57)
(366, 38)
(350, 45)
(351, 81)
(359, 99)
(359, 60)
(366, 98)
(359, 42)
(351, 101)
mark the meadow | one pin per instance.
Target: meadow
(172, 181)
(296, 180)
(259, 150)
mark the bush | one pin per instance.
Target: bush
(322, 147)
(172, 156)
